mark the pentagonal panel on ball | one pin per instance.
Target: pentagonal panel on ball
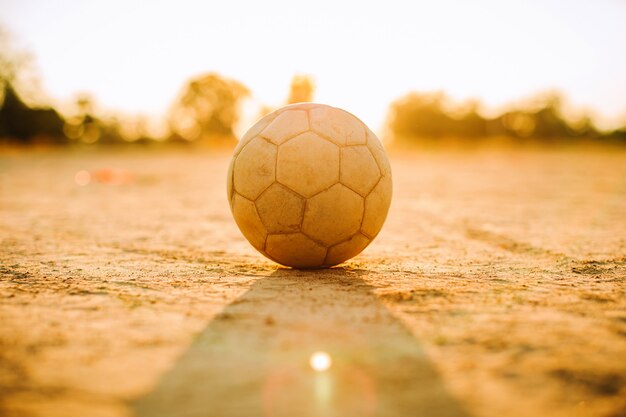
(248, 220)
(254, 168)
(308, 164)
(359, 171)
(295, 250)
(287, 125)
(337, 125)
(376, 207)
(333, 215)
(280, 209)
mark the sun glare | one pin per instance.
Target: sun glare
(320, 361)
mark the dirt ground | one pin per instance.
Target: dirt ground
(497, 287)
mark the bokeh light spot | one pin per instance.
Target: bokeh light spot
(82, 178)
(320, 361)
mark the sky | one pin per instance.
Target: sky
(135, 56)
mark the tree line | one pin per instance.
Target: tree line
(433, 116)
(208, 109)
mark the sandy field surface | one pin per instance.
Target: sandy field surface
(496, 287)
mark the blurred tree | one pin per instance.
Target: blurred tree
(424, 115)
(207, 108)
(301, 90)
(24, 124)
(518, 123)
(618, 135)
(18, 120)
(12, 60)
(548, 119)
(583, 126)
(85, 126)
(17, 68)
(415, 115)
(419, 116)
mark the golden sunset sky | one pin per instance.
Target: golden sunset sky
(134, 56)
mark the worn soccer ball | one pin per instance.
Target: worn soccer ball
(309, 185)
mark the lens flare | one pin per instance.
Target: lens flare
(82, 178)
(320, 361)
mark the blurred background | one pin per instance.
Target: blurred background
(190, 73)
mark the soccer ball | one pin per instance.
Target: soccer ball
(309, 185)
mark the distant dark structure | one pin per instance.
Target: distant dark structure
(20, 123)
